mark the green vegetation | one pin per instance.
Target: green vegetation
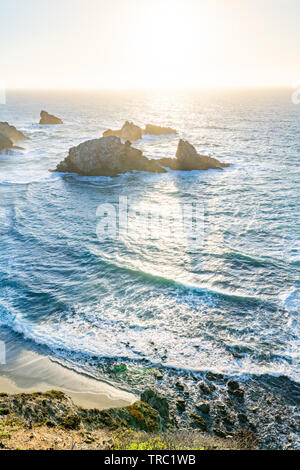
(127, 439)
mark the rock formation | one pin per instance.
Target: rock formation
(5, 143)
(187, 159)
(107, 156)
(129, 131)
(158, 130)
(132, 132)
(11, 132)
(47, 118)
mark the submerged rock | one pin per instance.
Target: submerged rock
(12, 132)
(187, 159)
(129, 131)
(106, 156)
(158, 130)
(47, 118)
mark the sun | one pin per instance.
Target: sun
(177, 43)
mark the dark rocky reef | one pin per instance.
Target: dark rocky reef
(107, 156)
(129, 131)
(47, 118)
(11, 132)
(158, 130)
(187, 159)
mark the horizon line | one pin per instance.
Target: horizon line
(223, 87)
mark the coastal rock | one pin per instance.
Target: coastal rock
(180, 404)
(129, 131)
(187, 159)
(47, 118)
(234, 389)
(157, 402)
(5, 143)
(12, 132)
(199, 421)
(158, 130)
(205, 388)
(233, 385)
(54, 408)
(218, 432)
(179, 386)
(203, 407)
(106, 156)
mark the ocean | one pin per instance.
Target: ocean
(123, 307)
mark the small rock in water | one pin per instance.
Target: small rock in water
(237, 393)
(158, 130)
(205, 388)
(179, 386)
(242, 418)
(203, 407)
(233, 385)
(180, 404)
(199, 421)
(47, 118)
(128, 131)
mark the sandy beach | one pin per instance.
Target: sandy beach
(26, 370)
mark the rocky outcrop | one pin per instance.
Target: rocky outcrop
(129, 131)
(5, 143)
(157, 402)
(187, 159)
(54, 408)
(158, 130)
(107, 156)
(132, 132)
(47, 118)
(11, 132)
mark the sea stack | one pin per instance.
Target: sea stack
(187, 159)
(47, 118)
(12, 133)
(106, 156)
(129, 131)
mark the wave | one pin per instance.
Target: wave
(83, 358)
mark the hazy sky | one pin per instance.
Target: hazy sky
(149, 43)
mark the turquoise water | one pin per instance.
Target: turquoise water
(230, 305)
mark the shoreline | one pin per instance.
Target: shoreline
(27, 371)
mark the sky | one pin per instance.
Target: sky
(149, 43)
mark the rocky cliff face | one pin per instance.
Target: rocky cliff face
(47, 118)
(129, 131)
(158, 130)
(11, 132)
(107, 156)
(187, 159)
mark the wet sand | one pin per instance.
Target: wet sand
(26, 370)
